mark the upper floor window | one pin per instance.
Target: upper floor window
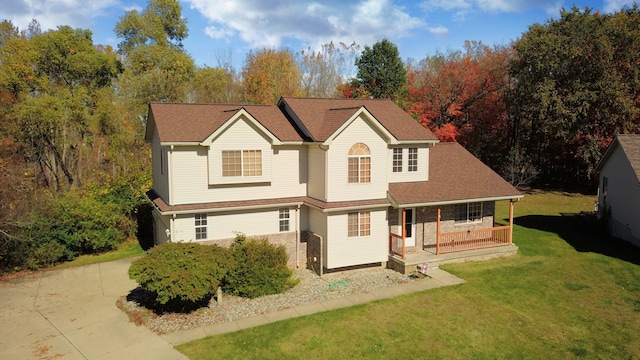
(359, 224)
(468, 213)
(413, 159)
(201, 226)
(397, 160)
(359, 164)
(283, 216)
(241, 163)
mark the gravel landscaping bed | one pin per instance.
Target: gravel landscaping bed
(310, 289)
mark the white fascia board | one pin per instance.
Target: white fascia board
(233, 119)
(363, 111)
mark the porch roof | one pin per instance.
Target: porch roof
(455, 176)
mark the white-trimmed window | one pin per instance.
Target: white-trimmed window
(241, 163)
(201, 226)
(468, 213)
(283, 218)
(397, 160)
(359, 224)
(359, 168)
(413, 159)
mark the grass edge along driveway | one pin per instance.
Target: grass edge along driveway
(570, 293)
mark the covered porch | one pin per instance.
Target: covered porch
(466, 245)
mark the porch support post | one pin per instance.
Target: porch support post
(510, 221)
(404, 230)
(438, 231)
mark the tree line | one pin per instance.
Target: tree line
(73, 162)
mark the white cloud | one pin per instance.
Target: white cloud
(272, 23)
(461, 8)
(438, 30)
(218, 33)
(616, 5)
(52, 13)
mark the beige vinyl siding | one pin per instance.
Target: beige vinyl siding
(342, 250)
(190, 184)
(304, 218)
(408, 176)
(160, 166)
(338, 187)
(318, 225)
(623, 197)
(317, 172)
(241, 135)
(225, 225)
(160, 228)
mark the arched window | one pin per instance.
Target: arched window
(359, 164)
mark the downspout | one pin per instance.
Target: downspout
(170, 175)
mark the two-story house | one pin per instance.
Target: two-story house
(339, 182)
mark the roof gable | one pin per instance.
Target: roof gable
(241, 115)
(193, 123)
(630, 146)
(362, 112)
(321, 118)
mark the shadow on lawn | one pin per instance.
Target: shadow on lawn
(584, 233)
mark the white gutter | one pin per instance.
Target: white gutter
(348, 208)
(452, 202)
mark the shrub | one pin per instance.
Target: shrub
(182, 272)
(82, 225)
(260, 268)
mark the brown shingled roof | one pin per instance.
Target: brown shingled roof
(322, 117)
(227, 205)
(181, 122)
(454, 175)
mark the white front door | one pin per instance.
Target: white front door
(409, 226)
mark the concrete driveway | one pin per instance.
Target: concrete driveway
(71, 314)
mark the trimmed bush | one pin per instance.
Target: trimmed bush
(260, 268)
(182, 272)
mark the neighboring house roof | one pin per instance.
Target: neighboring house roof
(455, 176)
(630, 145)
(181, 122)
(165, 208)
(322, 117)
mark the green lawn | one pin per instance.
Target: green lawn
(570, 293)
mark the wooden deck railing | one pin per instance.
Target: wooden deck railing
(396, 245)
(473, 239)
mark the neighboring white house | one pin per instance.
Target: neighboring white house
(333, 180)
(619, 188)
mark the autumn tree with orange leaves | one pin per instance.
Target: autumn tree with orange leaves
(459, 96)
(269, 74)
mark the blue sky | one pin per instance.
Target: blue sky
(230, 28)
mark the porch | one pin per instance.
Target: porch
(414, 259)
(456, 246)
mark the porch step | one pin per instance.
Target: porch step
(415, 259)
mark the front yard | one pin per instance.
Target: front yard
(570, 292)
